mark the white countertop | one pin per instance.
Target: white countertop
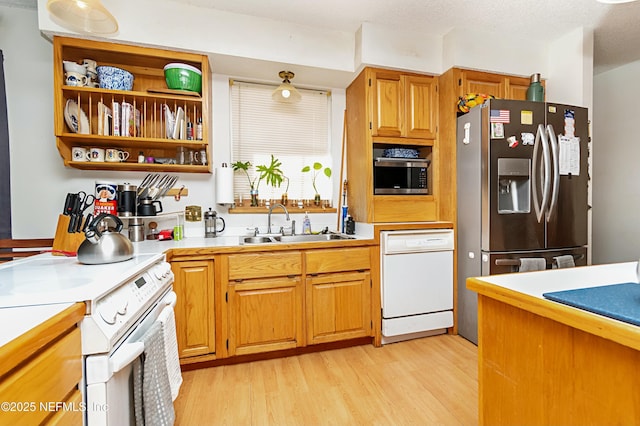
(537, 283)
(46, 279)
(17, 321)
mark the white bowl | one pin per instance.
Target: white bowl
(73, 67)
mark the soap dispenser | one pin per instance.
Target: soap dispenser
(306, 224)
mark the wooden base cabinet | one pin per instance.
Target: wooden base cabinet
(265, 315)
(338, 294)
(40, 372)
(264, 302)
(194, 286)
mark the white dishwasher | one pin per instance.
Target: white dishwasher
(416, 283)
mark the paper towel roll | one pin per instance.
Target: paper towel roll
(224, 185)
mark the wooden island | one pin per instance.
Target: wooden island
(546, 363)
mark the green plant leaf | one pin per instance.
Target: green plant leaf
(272, 174)
(239, 165)
(317, 166)
(327, 172)
(305, 169)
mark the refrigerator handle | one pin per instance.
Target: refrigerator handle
(556, 172)
(541, 140)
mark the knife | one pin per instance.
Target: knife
(73, 221)
(68, 204)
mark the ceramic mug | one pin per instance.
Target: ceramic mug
(79, 153)
(75, 79)
(96, 154)
(90, 65)
(115, 155)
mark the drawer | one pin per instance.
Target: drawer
(261, 265)
(49, 377)
(337, 260)
(73, 415)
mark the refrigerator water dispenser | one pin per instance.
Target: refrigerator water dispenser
(514, 185)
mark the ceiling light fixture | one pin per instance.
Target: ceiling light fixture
(85, 16)
(286, 92)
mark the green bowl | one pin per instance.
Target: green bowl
(183, 77)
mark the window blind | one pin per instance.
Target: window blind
(296, 134)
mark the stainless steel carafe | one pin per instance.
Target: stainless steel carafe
(136, 230)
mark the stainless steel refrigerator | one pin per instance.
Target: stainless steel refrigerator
(522, 177)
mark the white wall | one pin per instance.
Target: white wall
(616, 175)
(483, 50)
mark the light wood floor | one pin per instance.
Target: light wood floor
(429, 381)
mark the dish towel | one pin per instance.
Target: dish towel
(168, 321)
(565, 261)
(528, 264)
(151, 390)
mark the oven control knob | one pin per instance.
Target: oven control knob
(122, 310)
(157, 271)
(108, 313)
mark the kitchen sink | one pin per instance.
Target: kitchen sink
(260, 239)
(257, 240)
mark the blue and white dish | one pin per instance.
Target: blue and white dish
(114, 78)
(76, 118)
(400, 153)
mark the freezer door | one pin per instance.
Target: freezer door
(506, 263)
(567, 226)
(508, 217)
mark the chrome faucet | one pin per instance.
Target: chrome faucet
(286, 212)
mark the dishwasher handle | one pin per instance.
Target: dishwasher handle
(419, 241)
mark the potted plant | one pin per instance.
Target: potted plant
(271, 174)
(317, 167)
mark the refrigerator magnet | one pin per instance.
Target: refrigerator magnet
(527, 138)
(513, 142)
(526, 117)
(497, 131)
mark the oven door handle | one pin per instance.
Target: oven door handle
(125, 355)
(170, 299)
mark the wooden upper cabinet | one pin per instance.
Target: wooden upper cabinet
(499, 85)
(403, 105)
(482, 82)
(518, 88)
(388, 107)
(421, 112)
(87, 116)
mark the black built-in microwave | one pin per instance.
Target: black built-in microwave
(400, 176)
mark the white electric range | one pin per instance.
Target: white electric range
(122, 301)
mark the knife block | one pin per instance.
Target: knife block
(65, 241)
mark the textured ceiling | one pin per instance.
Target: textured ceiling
(616, 27)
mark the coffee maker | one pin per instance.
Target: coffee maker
(210, 224)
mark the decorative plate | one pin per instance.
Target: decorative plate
(400, 153)
(71, 117)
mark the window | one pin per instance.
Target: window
(296, 134)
